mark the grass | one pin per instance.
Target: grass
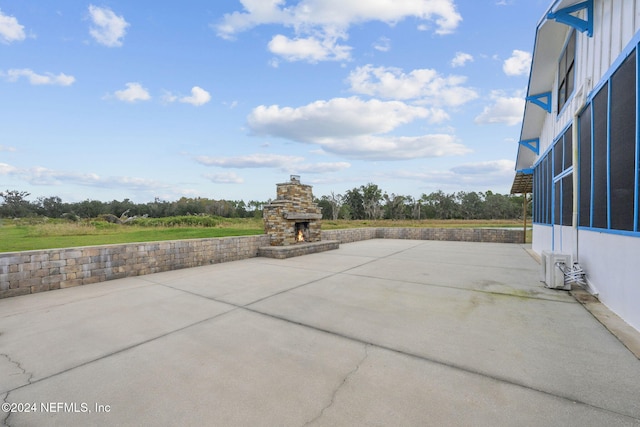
(33, 234)
(25, 236)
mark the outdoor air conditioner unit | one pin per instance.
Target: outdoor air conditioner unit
(554, 265)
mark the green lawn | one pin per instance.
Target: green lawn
(64, 235)
(27, 235)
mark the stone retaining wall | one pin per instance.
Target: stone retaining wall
(493, 235)
(37, 271)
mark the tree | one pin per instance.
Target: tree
(51, 207)
(395, 206)
(330, 205)
(353, 199)
(444, 205)
(471, 205)
(15, 204)
(498, 206)
(371, 198)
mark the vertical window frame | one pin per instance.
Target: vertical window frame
(566, 71)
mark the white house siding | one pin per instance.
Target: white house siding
(609, 258)
(542, 238)
(611, 263)
(615, 23)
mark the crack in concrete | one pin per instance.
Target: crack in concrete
(5, 399)
(339, 387)
(18, 365)
(5, 419)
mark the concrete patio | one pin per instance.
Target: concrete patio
(378, 332)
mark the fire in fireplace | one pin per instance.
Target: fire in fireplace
(301, 232)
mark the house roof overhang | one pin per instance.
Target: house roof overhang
(549, 42)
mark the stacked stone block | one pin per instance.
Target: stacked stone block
(294, 204)
(36, 271)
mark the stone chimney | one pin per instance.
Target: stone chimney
(293, 218)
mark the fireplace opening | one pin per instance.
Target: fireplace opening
(301, 232)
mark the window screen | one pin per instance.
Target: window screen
(584, 177)
(548, 179)
(567, 200)
(557, 158)
(623, 144)
(557, 193)
(600, 193)
(567, 149)
(566, 71)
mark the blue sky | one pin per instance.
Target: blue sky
(224, 99)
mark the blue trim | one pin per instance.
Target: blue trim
(529, 144)
(553, 210)
(563, 174)
(591, 204)
(537, 100)
(610, 231)
(628, 50)
(542, 224)
(578, 175)
(528, 171)
(609, 154)
(636, 202)
(564, 16)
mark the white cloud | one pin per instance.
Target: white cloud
(372, 147)
(7, 148)
(492, 167)
(322, 167)
(10, 29)
(469, 176)
(383, 44)
(250, 161)
(198, 97)
(308, 49)
(224, 178)
(504, 110)
(518, 64)
(423, 84)
(108, 28)
(354, 128)
(39, 175)
(461, 59)
(291, 164)
(134, 92)
(168, 97)
(332, 14)
(6, 169)
(326, 21)
(336, 118)
(39, 79)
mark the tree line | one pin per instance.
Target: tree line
(360, 203)
(370, 202)
(16, 205)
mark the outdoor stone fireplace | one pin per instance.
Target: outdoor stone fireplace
(293, 217)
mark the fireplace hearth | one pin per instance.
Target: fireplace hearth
(293, 217)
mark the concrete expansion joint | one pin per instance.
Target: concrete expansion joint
(341, 385)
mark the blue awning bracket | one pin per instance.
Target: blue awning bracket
(564, 16)
(542, 100)
(531, 144)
